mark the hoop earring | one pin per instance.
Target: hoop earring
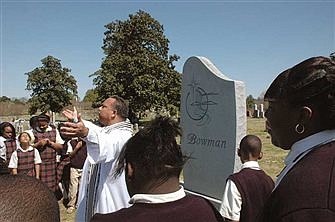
(300, 129)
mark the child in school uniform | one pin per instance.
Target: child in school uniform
(25, 159)
(7, 145)
(247, 190)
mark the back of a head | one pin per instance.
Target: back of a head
(24, 198)
(154, 152)
(33, 122)
(309, 83)
(251, 144)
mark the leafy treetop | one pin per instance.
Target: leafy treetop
(137, 66)
(52, 86)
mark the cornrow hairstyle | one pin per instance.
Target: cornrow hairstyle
(154, 152)
(310, 83)
(3, 125)
(121, 106)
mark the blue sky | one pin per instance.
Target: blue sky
(250, 41)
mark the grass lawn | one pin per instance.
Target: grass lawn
(272, 161)
(64, 217)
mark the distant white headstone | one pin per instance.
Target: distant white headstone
(262, 107)
(256, 111)
(213, 120)
(261, 114)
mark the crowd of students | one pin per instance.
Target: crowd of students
(41, 152)
(136, 177)
(151, 162)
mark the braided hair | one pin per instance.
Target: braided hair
(309, 83)
(154, 152)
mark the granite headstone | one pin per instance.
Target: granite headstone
(213, 120)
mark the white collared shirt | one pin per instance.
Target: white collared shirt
(2, 148)
(232, 201)
(302, 147)
(158, 198)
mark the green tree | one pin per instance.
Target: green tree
(250, 102)
(90, 96)
(137, 66)
(52, 86)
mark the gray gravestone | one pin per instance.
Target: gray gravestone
(213, 120)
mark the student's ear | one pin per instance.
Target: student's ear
(306, 113)
(129, 171)
(260, 155)
(239, 152)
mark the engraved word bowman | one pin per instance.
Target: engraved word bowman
(192, 138)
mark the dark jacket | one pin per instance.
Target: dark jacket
(189, 208)
(255, 188)
(307, 191)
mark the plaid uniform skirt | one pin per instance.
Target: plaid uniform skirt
(10, 148)
(49, 168)
(60, 168)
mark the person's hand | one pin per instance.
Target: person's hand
(71, 154)
(48, 142)
(51, 144)
(75, 126)
(71, 115)
(42, 143)
(69, 129)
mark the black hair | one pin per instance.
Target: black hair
(38, 204)
(43, 117)
(33, 122)
(310, 83)
(3, 125)
(154, 152)
(251, 144)
(121, 106)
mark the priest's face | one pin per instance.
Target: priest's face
(107, 113)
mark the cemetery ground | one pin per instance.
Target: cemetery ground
(272, 161)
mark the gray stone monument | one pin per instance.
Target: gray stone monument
(213, 120)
